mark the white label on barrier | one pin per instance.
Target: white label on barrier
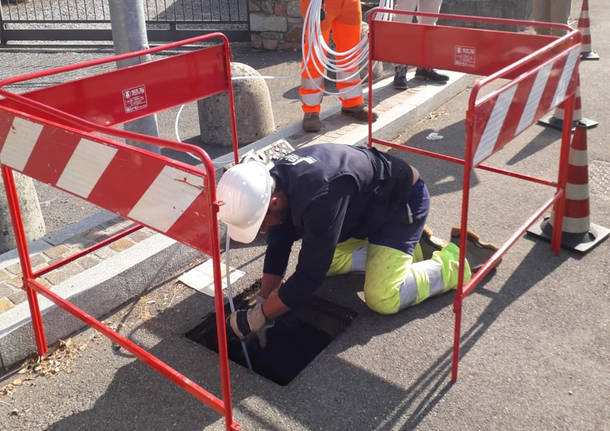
(84, 169)
(135, 98)
(465, 56)
(19, 143)
(172, 192)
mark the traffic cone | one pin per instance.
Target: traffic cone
(556, 119)
(577, 232)
(583, 25)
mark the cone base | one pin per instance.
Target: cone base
(589, 56)
(581, 242)
(557, 123)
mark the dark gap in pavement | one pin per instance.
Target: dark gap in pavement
(294, 340)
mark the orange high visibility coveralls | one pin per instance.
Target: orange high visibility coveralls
(344, 18)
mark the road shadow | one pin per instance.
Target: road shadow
(432, 385)
(441, 177)
(547, 136)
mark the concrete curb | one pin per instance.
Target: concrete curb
(119, 278)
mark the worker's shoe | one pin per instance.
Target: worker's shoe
(477, 251)
(400, 78)
(311, 122)
(430, 243)
(359, 113)
(430, 75)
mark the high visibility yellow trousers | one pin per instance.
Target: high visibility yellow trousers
(395, 280)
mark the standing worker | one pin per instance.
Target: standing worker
(431, 6)
(344, 18)
(355, 209)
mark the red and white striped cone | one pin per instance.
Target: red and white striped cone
(556, 119)
(577, 232)
(584, 27)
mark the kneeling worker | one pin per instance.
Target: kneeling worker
(355, 209)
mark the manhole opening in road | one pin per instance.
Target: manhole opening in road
(294, 341)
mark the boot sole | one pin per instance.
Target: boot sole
(474, 239)
(434, 241)
(430, 243)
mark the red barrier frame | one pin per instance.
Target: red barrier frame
(518, 57)
(197, 74)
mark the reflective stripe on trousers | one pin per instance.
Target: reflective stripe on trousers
(310, 93)
(349, 90)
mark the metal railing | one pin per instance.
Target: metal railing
(167, 20)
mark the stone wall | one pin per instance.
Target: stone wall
(514, 9)
(511, 9)
(275, 24)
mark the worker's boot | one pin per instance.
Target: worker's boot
(400, 77)
(359, 113)
(477, 251)
(430, 75)
(428, 244)
(311, 122)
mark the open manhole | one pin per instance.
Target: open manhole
(293, 342)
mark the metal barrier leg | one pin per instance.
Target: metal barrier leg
(24, 258)
(457, 309)
(41, 341)
(459, 296)
(223, 356)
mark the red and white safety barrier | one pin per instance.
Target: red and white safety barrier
(584, 25)
(166, 198)
(520, 104)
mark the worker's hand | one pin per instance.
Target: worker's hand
(247, 322)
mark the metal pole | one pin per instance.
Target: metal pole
(129, 34)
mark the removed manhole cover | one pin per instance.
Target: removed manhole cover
(293, 342)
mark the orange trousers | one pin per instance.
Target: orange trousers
(343, 18)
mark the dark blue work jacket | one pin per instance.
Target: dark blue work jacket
(335, 192)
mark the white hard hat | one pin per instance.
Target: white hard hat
(245, 190)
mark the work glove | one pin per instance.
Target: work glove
(245, 323)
